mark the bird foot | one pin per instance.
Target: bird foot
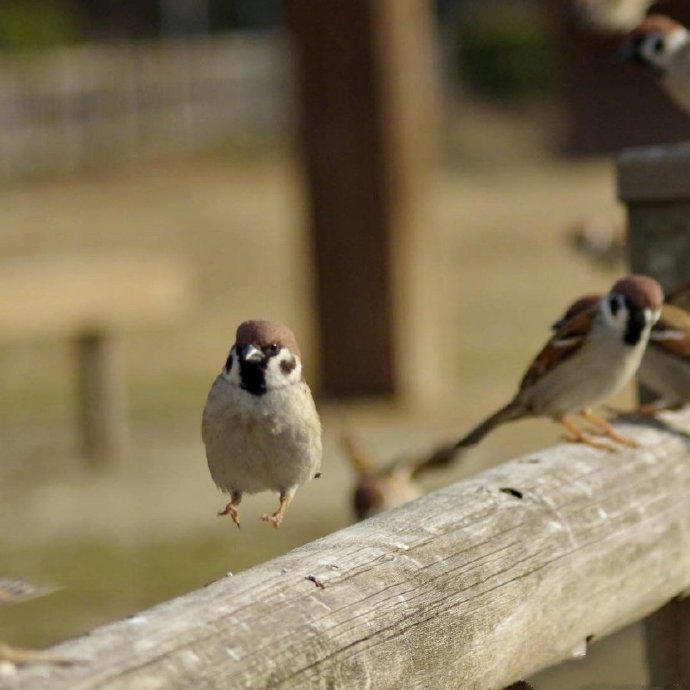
(643, 411)
(623, 440)
(232, 511)
(589, 441)
(276, 520)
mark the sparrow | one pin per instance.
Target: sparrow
(593, 353)
(260, 426)
(611, 16)
(663, 44)
(379, 488)
(665, 366)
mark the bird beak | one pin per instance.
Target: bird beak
(250, 353)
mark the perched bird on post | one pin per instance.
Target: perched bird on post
(591, 356)
(260, 425)
(665, 366)
(663, 44)
(611, 16)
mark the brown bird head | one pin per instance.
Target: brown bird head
(265, 356)
(265, 334)
(640, 292)
(655, 42)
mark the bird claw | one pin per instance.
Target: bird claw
(232, 511)
(589, 441)
(275, 519)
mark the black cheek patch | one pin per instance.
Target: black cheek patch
(287, 366)
(228, 363)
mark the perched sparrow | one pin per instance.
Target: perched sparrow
(379, 488)
(662, 43)
(665, 366)
(611, 16)
(260, 426)
(591, 356)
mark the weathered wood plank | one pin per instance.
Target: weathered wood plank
(470, 586)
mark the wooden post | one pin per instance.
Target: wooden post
(364, 69)
(655, 184)
(102, 398)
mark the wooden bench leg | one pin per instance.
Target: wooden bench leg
(667, 640)
(102, 398)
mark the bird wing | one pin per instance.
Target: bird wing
(671, 333)
(567, 340)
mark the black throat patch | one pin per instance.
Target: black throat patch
(253, 376)
(635, 326)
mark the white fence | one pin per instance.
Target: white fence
(92, 105)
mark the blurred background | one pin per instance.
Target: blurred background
(417, 191)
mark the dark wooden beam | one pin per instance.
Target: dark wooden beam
(357, 68)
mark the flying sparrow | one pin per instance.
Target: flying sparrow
(611, 16)
(665, 366)
(663, 44)
(260, 425)
(379, 488)
(591, 356)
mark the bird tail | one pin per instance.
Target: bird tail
(512, 411)
(445, 455)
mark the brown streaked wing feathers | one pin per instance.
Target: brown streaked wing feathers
(676, 322)
(565, 342)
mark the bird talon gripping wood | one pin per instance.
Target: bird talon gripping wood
(260, 426)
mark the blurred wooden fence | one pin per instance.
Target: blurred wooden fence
(91, 105)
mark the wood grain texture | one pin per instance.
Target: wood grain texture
(472, 586)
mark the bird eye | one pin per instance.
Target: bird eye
(273, 348)
(657, 46)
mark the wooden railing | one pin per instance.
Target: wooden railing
(84, 106)
(477, 585)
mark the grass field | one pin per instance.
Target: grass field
(145, 529)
